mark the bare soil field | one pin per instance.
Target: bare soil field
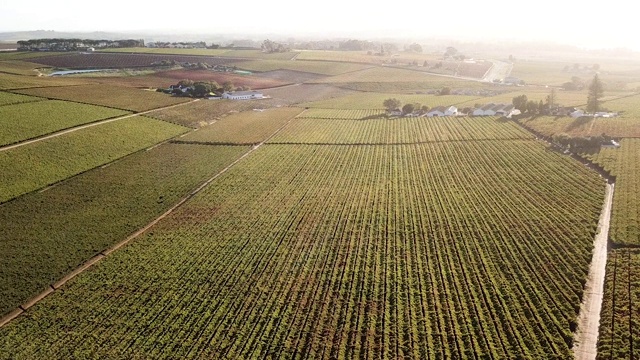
(111, 61)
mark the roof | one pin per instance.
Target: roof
(488, 106)
(241, 93)
(438, 108)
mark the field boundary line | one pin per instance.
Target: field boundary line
(85, 126)
(95, 259)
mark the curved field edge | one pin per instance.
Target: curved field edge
(47, 234)
(331, 253)
(61, 157)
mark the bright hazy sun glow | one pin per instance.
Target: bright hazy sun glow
(607, 25)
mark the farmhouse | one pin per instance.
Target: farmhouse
(443, 111)
(242, 95)
(492, 109)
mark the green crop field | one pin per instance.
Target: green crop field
(620, 317)
(316, 67)
(333, 114)
(622, 126)
(19, 67)
(10, 81)
(248, 127)
(375, 100)
(331, 254)
(37, 165)
(624, 164)
(24, 121)
(47, 234)
(397, 131)
(395, 77)
(7, 98)
(112, 96)
(18, 55)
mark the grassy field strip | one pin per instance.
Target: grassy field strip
(15, 313)
(67, 131)
(586, 336)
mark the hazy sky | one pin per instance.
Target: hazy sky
(608, 25)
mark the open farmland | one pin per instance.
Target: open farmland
(9, 81)
(111, 61)
(624, 164)
(290, 76)
(7, 98)
(620, 319)
(315, 67)
(70, 154)
(584, 126)
(19, 67)
(205, 112)
(252, 81)
(25, 121)
(47, 234)
(397, 131)
(232, 53)
(111, 96)
(333, 114)
(248, 127)
(374, 100)
(302, 93)
(331, 255)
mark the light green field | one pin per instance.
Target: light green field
(11, 81)
(375, 100)
(37, 165)
(24, 121)
(47, 234)
(248, 127)
(19, 67)
(7, 98)
(397, 130)
(316, 67)
(125, 98)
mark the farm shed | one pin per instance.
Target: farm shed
(242, 95)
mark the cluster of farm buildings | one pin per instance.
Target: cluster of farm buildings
(231, 95)
(506, 110)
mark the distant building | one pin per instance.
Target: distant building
(443, 111)
(242, 95)
(492, 109)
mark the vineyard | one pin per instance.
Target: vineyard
(620, 317)
(397, 131)
(333, 114)
(7, 98)
(50, 233)
(331, 255)
(372, 100)
(624, 164)
(111, 96)
(585, 126)
(19, 67)
(250, 127)
(9, 81)
(24, 121)
(70, 154)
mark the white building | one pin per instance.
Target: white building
(443, 111)
(577, 114)
(242, 95)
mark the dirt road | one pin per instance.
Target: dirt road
(586, 336)
(498, 71)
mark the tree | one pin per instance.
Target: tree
(451, 51)
(415, 47)
(425, 109)
(445, 91)
(391, 104)
(520, 102)
(551, 99)
(408, 108)
(596, 90)
(532, 107)
(227, 86)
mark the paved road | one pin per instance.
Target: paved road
(498, 71)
